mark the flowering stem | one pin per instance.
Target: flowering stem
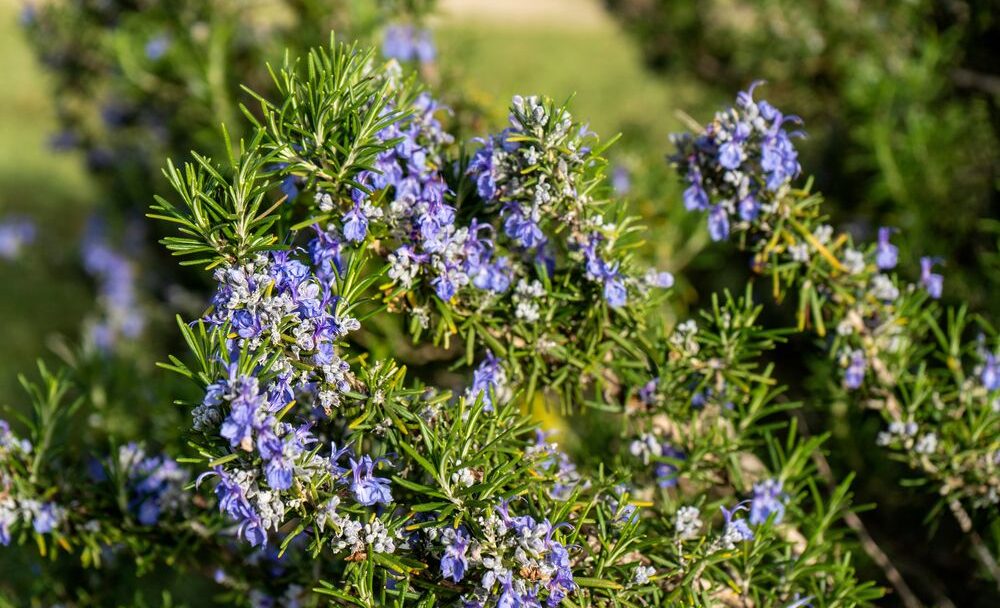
(808, 236)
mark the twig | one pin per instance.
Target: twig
(979, 547)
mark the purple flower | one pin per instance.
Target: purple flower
(408, 43)
(718, 223)
(886, 254)
(368, 489)
(990, 375)
(730, 155)
(444, 286)
(665, 472)
(615, 293)
(355, 224)
(742, 149)
(290, 187)
(736, 530)
(233, 502)
(324, 251)
(46, 518)
(749, 208)
(855, 373)
(931, 281)
(157, 47)
(768, 498)
(647, 394)
(481, 168)
(15, 233)
(246, 324)
(494, 277)
(248, 411)
(621, 181)
(695, 197)
(521, 228)
(663, 280)
(454, 562)
(8, 517)
(488, 381)
(279, 454)
(155, 483)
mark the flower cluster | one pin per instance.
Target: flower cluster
(121, 316)
(555, 463)
(408, 43)
(539, 174)
(44, 516)
(735, 169)
(265, 406)
(155, 484)
(431, 246)
(489, 383)
(743, 162)
(517, 560)
(662, 454)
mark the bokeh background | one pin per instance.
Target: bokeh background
(900, 100)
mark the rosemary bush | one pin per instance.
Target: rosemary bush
(900, 97)
(355, 415)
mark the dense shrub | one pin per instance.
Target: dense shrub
(901, 99)
(434, 369)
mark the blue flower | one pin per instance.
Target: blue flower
(730, 155)
(718, 223)
(663, 280)
(290, 187)
(324, 251)
(800, 602)
(355, 224)
(157, 47)
(247, 324)
(368, 489)
(15, 233)
(233, 502)
(155, 483)
(695, 197)
(46, 518)
(8, 517)
(621, 181)
(279, 454)
(736, 530)
(886, 254)
(931, 281)
(990, 375)
(454, 562)
(749, 208)
(444, 287)
(615, 292)
(665, 472)
(521, 228)
(768, 498)
(408, 43)
(488, 381)
(743, 149)
(647, 393)
(494, 277)
(855, 373)
(247, 413)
